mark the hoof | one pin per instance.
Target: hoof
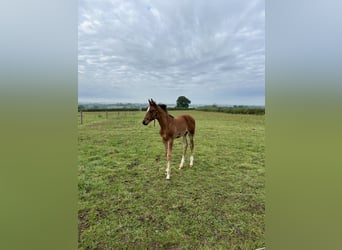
(168, 178)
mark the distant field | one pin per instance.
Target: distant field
(125, 202)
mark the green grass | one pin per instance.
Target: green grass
(125, 202)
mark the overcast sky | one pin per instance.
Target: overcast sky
(212, 52)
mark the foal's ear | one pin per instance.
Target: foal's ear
(152, 103)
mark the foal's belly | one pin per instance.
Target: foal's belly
(177, 135)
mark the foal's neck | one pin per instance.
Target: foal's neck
(163, 119)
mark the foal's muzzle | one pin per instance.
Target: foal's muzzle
(144, 122)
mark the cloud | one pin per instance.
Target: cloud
(89, 27)
(164, 49)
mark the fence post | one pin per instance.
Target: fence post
(81, 117)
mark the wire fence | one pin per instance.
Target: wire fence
(86, 117)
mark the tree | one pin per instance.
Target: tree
(183, 102)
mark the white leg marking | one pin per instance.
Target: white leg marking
(191, 160)
(168, 170)
(182, 162)
(168, 158)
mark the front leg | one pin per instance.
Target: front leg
(165, 145)
(168, 158)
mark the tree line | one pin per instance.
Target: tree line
(237, 109)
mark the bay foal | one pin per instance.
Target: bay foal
(171, 128)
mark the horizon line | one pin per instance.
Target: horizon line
(169, 104)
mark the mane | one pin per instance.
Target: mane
(164, 107)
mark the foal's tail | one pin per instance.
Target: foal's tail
(191, 124)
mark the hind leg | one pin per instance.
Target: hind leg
(185, 146)
(192, 145)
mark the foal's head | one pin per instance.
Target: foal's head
(152, 112)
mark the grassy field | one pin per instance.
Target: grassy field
(125, 202)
